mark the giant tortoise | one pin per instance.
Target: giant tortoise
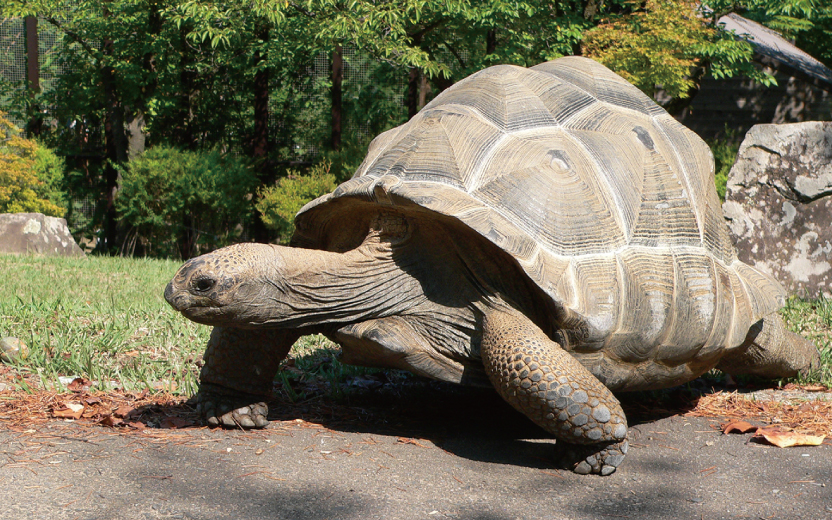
(549, 231)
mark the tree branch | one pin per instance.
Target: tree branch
(75, 37)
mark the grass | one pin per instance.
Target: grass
(100, 318)
(813, 320)
(105, 319)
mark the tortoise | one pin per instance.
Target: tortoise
(549, 231)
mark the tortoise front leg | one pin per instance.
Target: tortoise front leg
(238, 374)
(538, 378)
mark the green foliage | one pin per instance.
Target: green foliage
(278, 204)
(199, 200)
(30, 175)
(667, 44)
(51, 170)
(725, 155)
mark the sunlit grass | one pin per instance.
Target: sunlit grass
(813, 320)
(100, 318)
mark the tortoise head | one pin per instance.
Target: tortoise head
(226, 287)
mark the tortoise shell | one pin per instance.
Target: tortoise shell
(606, 202)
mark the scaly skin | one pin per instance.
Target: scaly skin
(544, 382)
(236, 379)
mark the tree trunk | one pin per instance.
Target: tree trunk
(115, 141)
(491, 41)
(187, 79)
(413, 92)
(260, 139)
(33, 126)
(136, 120)
(337, 79)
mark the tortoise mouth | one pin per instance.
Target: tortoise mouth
(189, 304)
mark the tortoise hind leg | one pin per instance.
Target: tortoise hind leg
(544, 382)
(771, 351)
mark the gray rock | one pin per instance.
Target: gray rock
(779, 204)
(23, 233)
(12, 349)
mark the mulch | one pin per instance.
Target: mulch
(130, 412)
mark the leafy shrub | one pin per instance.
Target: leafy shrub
(278, 204)
(31, 175)
(725, 155)
(195, 200)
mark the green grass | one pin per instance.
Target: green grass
(105, 319)
(100, 318)
(813, 320)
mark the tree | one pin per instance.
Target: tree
(673, 45)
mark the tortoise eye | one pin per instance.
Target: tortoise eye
(204, 284)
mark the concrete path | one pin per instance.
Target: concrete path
(413, 455)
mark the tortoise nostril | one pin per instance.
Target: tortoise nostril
(204, 284)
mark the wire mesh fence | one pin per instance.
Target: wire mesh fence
(12, 61)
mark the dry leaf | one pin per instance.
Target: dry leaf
(111, 421)
(405, 440)
(784, 439)
(175, 422)
(123, 411)
(739, 427)
(79, 385)
(136, 425)
(815, 388)
(69, 411)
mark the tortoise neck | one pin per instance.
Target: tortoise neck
(321, 289)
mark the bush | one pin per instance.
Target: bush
(31, 175)
(725, 155)
(278, 204)
(196, 200)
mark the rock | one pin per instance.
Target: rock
(779, 204)
(12, 349)
(23, 233)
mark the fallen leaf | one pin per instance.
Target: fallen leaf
(123, 411)
(738, 426)
(92, 400)
(175, 422)
(111, 421)
(783, 439)
(79, 385)
(69, 411)
(137, 425)
(815, 388)
(405, 440)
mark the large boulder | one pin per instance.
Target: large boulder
(23, 233)
(779, 204)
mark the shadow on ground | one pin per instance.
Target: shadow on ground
(474, 423)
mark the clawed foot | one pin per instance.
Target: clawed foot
(586, 459)
(231, 410)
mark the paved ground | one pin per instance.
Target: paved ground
(418, 454)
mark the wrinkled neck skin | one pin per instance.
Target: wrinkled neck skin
(318, 289)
